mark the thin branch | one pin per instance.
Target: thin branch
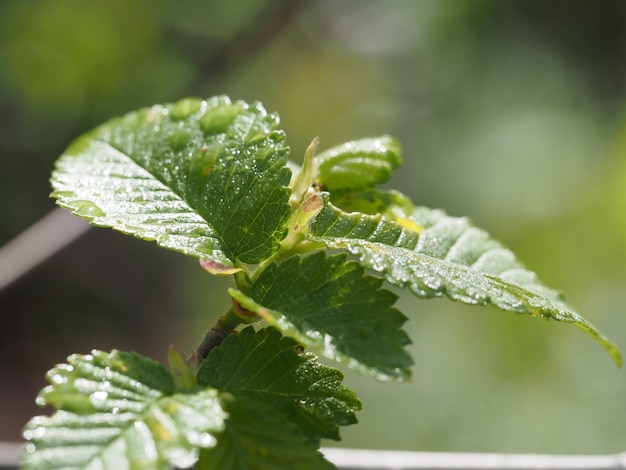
(37, 243)
(9, 455)
(353, 459)
(361, 459)
(212, 339)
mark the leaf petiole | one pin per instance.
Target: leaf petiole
(225, 325)
(307, 175)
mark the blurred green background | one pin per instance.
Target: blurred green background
(510, 112)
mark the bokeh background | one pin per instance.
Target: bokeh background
(510, 112)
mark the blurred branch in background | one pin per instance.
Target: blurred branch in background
(358, 459)
(37, 243)
(257, 33)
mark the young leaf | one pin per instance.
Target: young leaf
(328, 304)
(206, 178)
(257, 437)
(434, 254)
(266, 367)
(119, 410)
(359, 164)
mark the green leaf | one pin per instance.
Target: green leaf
(205, 178)
(182, 373)
(117, 411)
(269, 368)
(258, 438)
(328, 304)
(392, 204)
(434, 254)
(359, 164)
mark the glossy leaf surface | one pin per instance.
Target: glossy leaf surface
(117, 411)
(268, 368)
(257, 437)
(434, 254)
(329, 305)
(359, 164)
(206, 178)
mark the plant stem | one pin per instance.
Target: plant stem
(214, 337)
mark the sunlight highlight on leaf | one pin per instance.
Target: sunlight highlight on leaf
(448, 256)
(119, 410)
(206, 178)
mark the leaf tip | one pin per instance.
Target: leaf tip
(615, 355)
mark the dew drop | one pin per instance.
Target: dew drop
(58, 379)
(206, 440)
(183, 458)
(35, 433)
(99, 396)
(87, 209)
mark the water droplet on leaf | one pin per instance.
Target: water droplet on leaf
(87, 209)
(99, 396)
